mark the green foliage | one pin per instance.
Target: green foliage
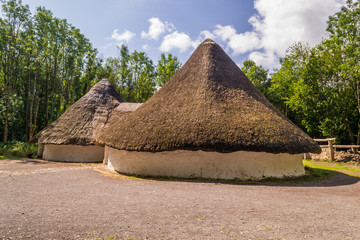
(318, 88)
(257, 75)
(133, 74)
(166, 68)
(17, 149)
(46, 64)
(136, 76)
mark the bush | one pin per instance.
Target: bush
(17, 149)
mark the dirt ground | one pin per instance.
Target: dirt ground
(44, 200)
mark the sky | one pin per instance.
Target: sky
(260, 30)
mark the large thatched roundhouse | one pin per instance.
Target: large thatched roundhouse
(70, 138)
(207, 121)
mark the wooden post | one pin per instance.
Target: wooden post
(331, 149)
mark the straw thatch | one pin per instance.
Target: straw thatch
(84, 119)
(117, 113)
(121, 110)
(209, 105)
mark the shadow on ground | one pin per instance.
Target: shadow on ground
(332, 179)
(24, 161)
(314, 177)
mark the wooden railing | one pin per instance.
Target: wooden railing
(332, 147)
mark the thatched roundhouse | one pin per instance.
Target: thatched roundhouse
(70, 138)
(207, 121)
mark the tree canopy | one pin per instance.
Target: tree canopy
(318, 87)
(46, 64)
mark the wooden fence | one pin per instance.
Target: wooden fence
(332, 147)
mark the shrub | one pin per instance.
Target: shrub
(17, 149)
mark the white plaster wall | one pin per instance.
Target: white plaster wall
(191, 164)
(73, 153)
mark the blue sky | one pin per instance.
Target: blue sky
(260, 30)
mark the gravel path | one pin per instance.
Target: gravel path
(44, 200)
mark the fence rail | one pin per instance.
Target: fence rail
(346, 146)
(332, 147)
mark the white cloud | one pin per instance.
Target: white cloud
(157, 27)
(277, 25)
(264, 58)
(239, 43)
(206, 34)
(145, 47)
(125, 36)
(224, 32)
(244, 42)
(176, 40)
(281, 23)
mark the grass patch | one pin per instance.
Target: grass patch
(329, 166)
(17, 149)
(332, 166)
(311, 174)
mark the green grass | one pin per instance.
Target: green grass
(17, 149)
(268, 228)
(334, 166)
(339, 167)
(311, 174)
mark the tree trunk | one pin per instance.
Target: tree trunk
(35, 117)
(348, 128)
(6, 123)
(358, 105)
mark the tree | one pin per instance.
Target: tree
(166, 68)
(257, 75)
(286, 81)
(46, 64)
(16, 15)
(343, 46)
(135, 75)
(319, 87)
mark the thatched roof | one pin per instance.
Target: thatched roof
(210, 105)
(117, 113)
(84, 119)
(126, 107)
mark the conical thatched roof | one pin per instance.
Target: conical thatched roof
(84, 119)
(209, 105)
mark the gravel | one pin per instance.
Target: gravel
(46, 200)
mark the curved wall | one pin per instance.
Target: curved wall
(73, 153)
(192, 164)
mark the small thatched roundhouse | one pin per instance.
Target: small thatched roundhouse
(70, 138)
(207, 121)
